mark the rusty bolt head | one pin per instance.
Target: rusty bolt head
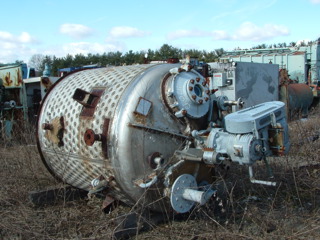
(89, 138)
(208, 92)
(184, 112)
(204, 83)
(206, 99)
(190, 88)
(213, 91)
(194, 97)
(200, 101)
(198, 79)
(45, 81)
(192, 81)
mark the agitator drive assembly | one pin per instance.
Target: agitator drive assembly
(152, 133)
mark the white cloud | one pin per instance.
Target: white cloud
(305, 41)
(18, 52)
(187, 33)
(247, 31)
(315, 1)
(15, 47)
(220, 35)
(5, 36)
(10, 52)
(126, 32)
(24, 37)
(248, 8)
(77, 31)
(88, 47)
(252, 32)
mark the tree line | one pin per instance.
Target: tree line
(118, 58)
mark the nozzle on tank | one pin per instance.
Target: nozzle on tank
(185, 193)
(90, 137)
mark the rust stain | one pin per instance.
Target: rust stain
(55, 132)
(89, 111)
(276, 141)
(45, 81)
(104, 143)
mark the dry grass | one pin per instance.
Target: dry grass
(288, 211)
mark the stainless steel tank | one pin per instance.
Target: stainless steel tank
(129, 113)
(147, 132)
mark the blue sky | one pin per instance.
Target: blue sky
(61, 27)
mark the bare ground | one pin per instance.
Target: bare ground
(288, 211)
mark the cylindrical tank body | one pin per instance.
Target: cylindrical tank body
(298, 98)
(135, 130)
(126, 113)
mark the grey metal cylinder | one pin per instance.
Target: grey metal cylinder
(108, 122)
(300, 98)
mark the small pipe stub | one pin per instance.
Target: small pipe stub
(90, 137)
(184, 194)
(155, 160)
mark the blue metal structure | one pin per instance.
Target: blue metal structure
(20, 95)
(302, 63)
(63, 71)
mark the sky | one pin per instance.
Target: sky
(61, 27)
